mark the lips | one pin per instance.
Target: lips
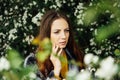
(63, 43)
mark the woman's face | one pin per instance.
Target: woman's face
(59, 33)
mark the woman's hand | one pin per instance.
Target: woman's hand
(55, 59)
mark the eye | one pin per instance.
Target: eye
(67, 30)
(56, 32)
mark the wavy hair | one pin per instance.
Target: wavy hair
(45, 30)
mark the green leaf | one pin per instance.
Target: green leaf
(107, 31)
(42, 55)
(15, 59)
(10, 75)
(90, 15)
(117, 52)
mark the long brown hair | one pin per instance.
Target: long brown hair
(45, 30)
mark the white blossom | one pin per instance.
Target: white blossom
(11, 9)
(1, 18)
(91, 4)
(115, 4)
(95, 31)
(16, 7)
(6, 12)
(36, 19)
(85, 75)
(79, 16)
(79, 13)
(88, 58)
(91, 29)
(11, 34)
(93, 23)
(46, 1)
(112, 16)
(81, 29)
(29, 39)
(30, 4)
(80, 6)
(58, 3)
(1, 34)
(64, 1)
(86, 50)
(34, 3)
(118, 5)
(6, 24)
(4, 78)
(24, 17)
(79, 9)
(95, 59)
(118, 37)
(4, 64)
(32, 75)
(72, 72)
(98, 51)
(92, 42)
(53, 6)
(30, 27)
(107, 69)
(8, 47)
(16, 24)
(80, 21)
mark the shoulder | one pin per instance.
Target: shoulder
(69, 55)
(30, 59)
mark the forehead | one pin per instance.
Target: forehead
(59, 23)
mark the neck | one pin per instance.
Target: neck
(63, 52)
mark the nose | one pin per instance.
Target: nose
(63, 35)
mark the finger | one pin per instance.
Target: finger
(56, 49)
(60, 52)
(53, 49)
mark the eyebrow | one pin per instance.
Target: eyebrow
(60, 29)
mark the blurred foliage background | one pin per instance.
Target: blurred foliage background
(96, 24)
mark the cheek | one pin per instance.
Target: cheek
(68, 36)
(53, 39)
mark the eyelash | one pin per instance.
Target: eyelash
(67, 30)
(58, 31)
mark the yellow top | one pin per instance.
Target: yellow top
(64, 63)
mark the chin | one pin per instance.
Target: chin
(62, 46)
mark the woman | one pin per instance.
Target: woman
(57, 28)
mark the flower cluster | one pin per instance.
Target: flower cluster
(96, 69)
(4, 64)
